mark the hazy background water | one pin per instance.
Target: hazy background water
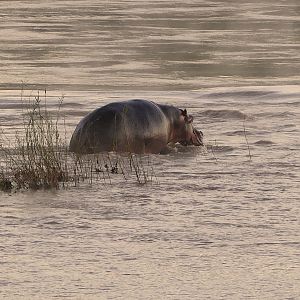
(214, 226)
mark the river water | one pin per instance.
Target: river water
(221, 224)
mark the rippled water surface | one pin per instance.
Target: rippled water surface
(213, 224)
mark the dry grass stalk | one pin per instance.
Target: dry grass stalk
(112, 167)
(37, 161)
(246, 138)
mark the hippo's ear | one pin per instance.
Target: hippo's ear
(187, 119)
(183, 112)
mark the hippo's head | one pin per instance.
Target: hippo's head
(188, 134)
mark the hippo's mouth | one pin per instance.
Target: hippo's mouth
(196, 139)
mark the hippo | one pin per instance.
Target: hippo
(136, 126)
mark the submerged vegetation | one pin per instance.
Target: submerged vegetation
(38, 156)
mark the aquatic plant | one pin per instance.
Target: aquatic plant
(111, 167)
(38, 158)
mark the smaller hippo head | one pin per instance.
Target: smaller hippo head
(188, 134)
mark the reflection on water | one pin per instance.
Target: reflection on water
(148, 45)
(216, 225)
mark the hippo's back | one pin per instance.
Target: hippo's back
(137, 126)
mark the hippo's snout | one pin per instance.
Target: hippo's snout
(196, 139)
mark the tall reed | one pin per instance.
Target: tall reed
(37, 160)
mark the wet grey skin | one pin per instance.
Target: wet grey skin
(136, 126)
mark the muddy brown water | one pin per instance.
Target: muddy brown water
(214, 225)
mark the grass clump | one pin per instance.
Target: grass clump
(113, 168)
(5, 184)
(38, 157)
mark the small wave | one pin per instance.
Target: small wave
(288, 126)
(71, 104)
(296, 103)
(238, 133)
(27, 105)
(284, 114)
(10, 120)
(224, 114)
(263, 143)
(52, 223)
(219, 148)
(241, 94)
(76, 113)
(6, 105)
